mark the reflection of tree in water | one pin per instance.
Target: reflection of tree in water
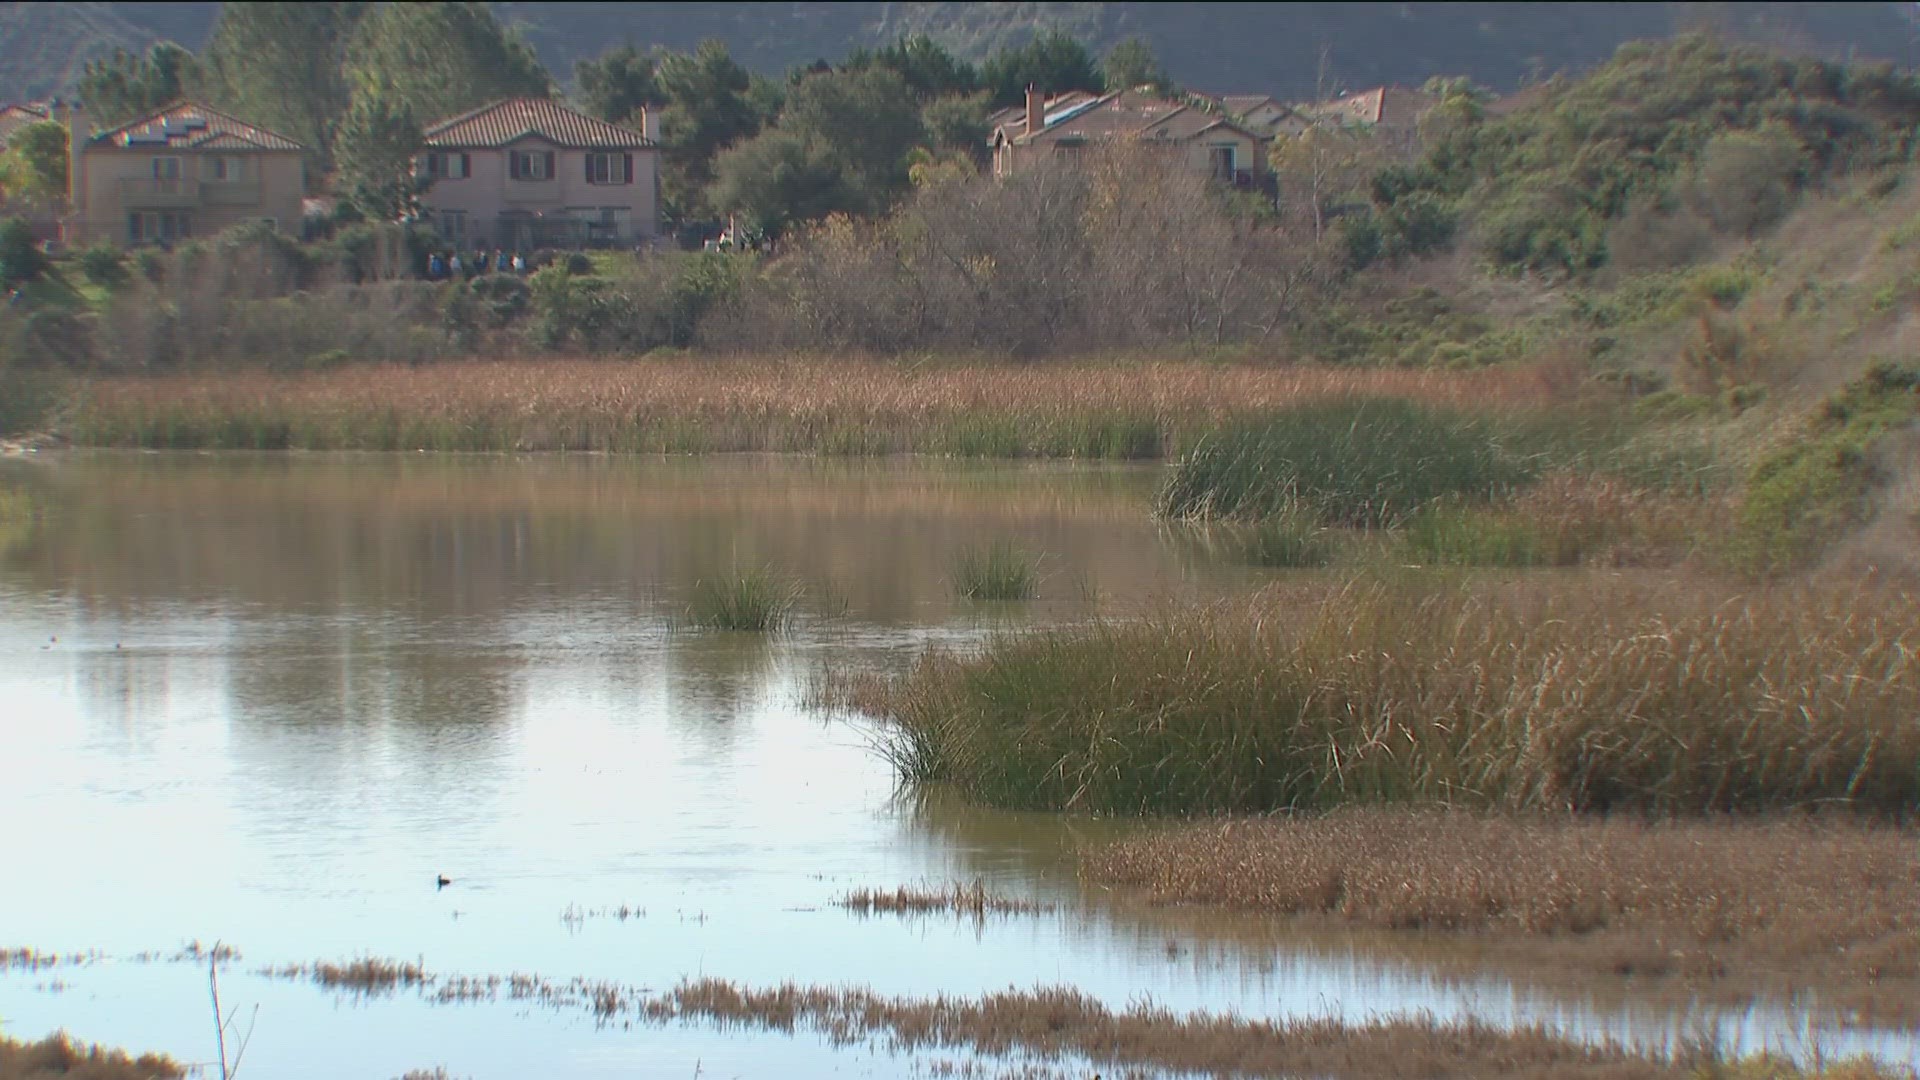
(351, 695)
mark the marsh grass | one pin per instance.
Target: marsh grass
(1451, 535)
(1586, 694)
(361, 975)
(998, 571)
(756, 601)
(1060, 1021)
(59, 1057)
(1287, 540)
(1355, 464)
(1112, 409)
(957, 898)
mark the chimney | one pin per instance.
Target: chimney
(1036, 112)
(74, 116)
(650, 123)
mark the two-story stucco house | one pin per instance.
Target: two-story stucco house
(1058, 127)
(530, 172)
(184, 171)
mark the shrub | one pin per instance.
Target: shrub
(997, 572)
(103, 265)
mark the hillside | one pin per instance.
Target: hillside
(1271, 47)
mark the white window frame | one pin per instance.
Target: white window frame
(449, 165)
(611, 170)
(227, 168)
(166, 167)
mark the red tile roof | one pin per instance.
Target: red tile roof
(503, 122)
(189, 125)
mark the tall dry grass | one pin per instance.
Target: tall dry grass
(1573, 693)
(1107, 409)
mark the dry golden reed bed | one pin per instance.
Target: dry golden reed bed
(57, 1057)
(743, 404)
(1832, 901)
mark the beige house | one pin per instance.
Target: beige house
(1059, 127)
(1393, 112)
(530, 172)
(184, 171)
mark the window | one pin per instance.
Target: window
(166, 168)
(227, 168)
(451, 224)
(161, 226)
(530, 165)
(609, 168)
(449, 166)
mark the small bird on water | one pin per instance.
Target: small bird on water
(442, 882)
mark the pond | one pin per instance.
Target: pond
(269, 700)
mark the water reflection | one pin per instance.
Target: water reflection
(271, 698)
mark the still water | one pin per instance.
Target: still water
(268, 700)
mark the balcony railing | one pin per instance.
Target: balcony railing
(230, 192)
(151, 192)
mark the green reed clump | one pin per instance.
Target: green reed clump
(998, 571)
(1443, 535)
(757, 600)
(1287, 540)
(1555, 695)
(1361, 464)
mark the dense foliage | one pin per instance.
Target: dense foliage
(1729, 134)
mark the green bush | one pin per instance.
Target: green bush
(104, 265)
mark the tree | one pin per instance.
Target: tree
(616, 85)
(1131, 65)
(776, 179)
(842, 144)
(710, 105)
(918, 59)
(126, 86)
(956, 122)
(440, 59)
(33, 168)
(282, 65)
(21, 260)
(1051, 63)
(375, 152)
(1320, 167)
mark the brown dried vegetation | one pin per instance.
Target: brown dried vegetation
(57, 1057)
(743, 404)
(1829, 901)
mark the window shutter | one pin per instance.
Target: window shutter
(627, 168)
(550, 173)
(513, 165)
(586, 161)
(466, 166)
